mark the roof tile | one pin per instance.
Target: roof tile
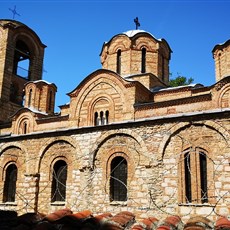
(199, 223)
(58, 214)
(65, 219)
(222, 223)
(150, 223)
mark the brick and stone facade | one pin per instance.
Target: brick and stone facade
(174, 141)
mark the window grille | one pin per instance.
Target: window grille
(10, 183)
(118, 179)
(195, 177)
(59, 181)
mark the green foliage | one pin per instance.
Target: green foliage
(180, 80)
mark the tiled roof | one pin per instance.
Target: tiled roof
(65, 219)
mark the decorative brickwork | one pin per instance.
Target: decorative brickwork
(17, 43)
(170, 144)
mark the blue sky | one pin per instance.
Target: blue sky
(74, 32)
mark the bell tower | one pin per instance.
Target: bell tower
(21, 61)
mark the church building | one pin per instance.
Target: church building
(126, 141)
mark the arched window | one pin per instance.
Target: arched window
(58, 190)
(96, 122)
(30, 97)
(118, 179)
(106, 117)
(101, 118)
(195, 177)
(21, 60)
(143, 60)
(24, 127)
(10, 183)
(101, 111)
(203, 177)
(119, 61)
(163, 68)
(50, 100)
(187, 172)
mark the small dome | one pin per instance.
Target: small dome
(131, 33)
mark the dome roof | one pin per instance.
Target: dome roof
(132, 33)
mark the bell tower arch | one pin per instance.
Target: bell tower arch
(21, 61)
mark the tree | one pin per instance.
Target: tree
(180, 80)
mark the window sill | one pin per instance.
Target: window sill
(58, 203)
(8, 204)
(197, 205)
(118, 203)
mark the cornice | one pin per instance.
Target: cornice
(188, 100)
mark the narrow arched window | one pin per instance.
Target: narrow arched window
(143, 60)
(106, 117)
(58, 190)
(195, 177)
(188, 184)
(10, 183)
(101, 118)
(118, 179)
(163, 68)
(30, 97)
(50, 100)
(24, 127)
(203, 177)
(119, 61)
(96, 122)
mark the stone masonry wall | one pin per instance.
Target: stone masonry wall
(152, 151)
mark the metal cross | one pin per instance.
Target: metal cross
(137, 23)
(14, 12)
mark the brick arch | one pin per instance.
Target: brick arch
(121, 42)
(101, 78)
(107, 79)
(22, 148)
(119, 151)
(19, 159)
(56, 159)
(28, 41)
(56, 149)
(148, 44)
(179, 127)
(31, 39)
(67, 140)
(110, 106)
(224, 97)
(113, 133)
(24, 117)
(106, 164)
(182, 139)
(16, 145)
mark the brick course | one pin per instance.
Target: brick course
(149, 128)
